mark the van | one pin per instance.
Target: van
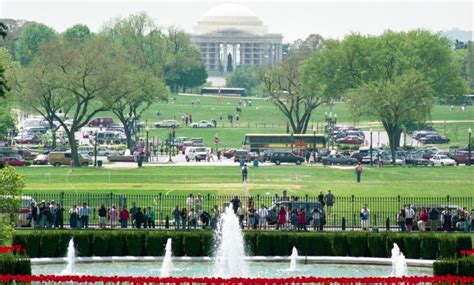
(195, 153)
(64, 158)
(101, 122)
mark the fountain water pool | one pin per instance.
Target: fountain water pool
(399, 264)
(71, 259)
(167, 261)
(293, 259)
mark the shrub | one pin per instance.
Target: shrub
(463, 242)
(250, 241)
(30, 242)
(264, 244)
(322, 245)
(376, 245)
(394, 238)
(134, 243)
(447, 247)
(48, 244)
(412, 246)
(82, 242)
(445, 267)
(14, 264)
(207, 241)
(466, 266)
(63, 242)
(177, 243)
(357, 243)
(429, 247)
(192, 244)
(155, 243)
(281, 244)
(340, 247)
(100, 244)
(116, 244)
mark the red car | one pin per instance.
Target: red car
(350, 140)
(462, 157)
(16, 161)
(229, 153)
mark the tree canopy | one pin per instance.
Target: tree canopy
(245, 76)
(27, 45)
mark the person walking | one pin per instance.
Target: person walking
(245, 173)
(358, 171)
(124, 215)
(330, 199)
(364, 218)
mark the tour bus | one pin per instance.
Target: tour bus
(223, 91)
(261, 142)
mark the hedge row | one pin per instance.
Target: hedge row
(461, 267)
(201, 243)
(15, 265)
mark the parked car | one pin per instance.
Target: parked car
(203, 124)
(266, 155)
(40, 159)
(195, 153)
(462, 157)
(101, 122)
(167, 124)
(350, 140)
(336, 159)
(229, 153)
(241, 154)
(101, 151)
(24, 212)
(415, 160)
(442, 160)
(286, 156)
(64, 158)
(387, 159)
(13, 161)
(434, 139)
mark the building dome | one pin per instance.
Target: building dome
(230, 17)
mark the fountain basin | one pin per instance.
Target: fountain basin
(258, 266)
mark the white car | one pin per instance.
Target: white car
(443, 160)
(167, 124)
(195, 153)
(101, 151)
(203, 124)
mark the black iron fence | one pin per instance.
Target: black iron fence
(343, 215)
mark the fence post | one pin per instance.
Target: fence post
(62, 199)
(306, 198)
(343, 222)
(161, 208)
(387, 224)
(208, 201)
(353, 213)
(447, 200)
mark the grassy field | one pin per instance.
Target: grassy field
(264, 117)
(223, 180)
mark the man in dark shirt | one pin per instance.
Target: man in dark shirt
(235, 203)
(433, 216)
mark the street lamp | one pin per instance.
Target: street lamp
(314, 144)
(95, 149)
(469, 145)
(170, 137)
(371, 161)
(147, 148)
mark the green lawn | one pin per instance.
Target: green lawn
(223, 180)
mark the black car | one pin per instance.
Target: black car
(434, 139)
(335, 159)
(415, 160)
(279, 157)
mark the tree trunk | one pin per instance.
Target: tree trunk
(53, 135)
(73, 145)
(128, 135)
(394, 133)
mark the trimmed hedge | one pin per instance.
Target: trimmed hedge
(462, 267)
(201, 243)
(14, 264)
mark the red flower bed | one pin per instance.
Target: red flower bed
(467, 252)
(240, 281)
(14, 248)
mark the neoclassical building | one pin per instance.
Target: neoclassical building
(230, 35)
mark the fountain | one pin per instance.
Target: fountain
(167, 262)
(293, 258)
(71, 259)
(399, 264)
(230, 255)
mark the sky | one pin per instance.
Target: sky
(293, 19)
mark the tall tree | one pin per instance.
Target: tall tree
(11, 186)
(27, 45)
(81, 74)
(77, 32)
(244, 76)
(374, 71)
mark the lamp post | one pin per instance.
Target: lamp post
(314, 144)
(371, 161)
(469, 146)
(291, 139)
(95, 149)
(170, 137)
(147, 148)
(335, 119)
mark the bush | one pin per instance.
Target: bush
(63, 243)
(466, 266)
(177, 243)
(14, 264)
(394, 238)
(264, 244)
(376, 245)
(412, 246)
(429, 247)
(447, 247)
(445, 267)
(30, 242)
(100, 244)
(82, 242)
(357, 243)
(49, 244)
(340, 247)
(134, 243)
(281, 244)
(155, 243)
(250, 240)
(322, 245)
(463, 242)
(116, 244)
(192, 244)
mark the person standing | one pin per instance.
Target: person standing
(329, 201)
(409, 214)
(235, 203)
(364, 218)
(245, 173)
(59, 216)
(84, 215)
(198, 203)
(124, 215)
(190, 201)
(301, 219)
(281, 218)
(262, 217)
(358, 171)
(192, 219)
(433, 216)
(150, 218)
(73, 217)
(176, 217)
(215, 217)
(133, 212)
(139, 218)
(401, 219)
(102, 216)
(52, 210)
(35, 215)
(184, 217)
(446, 219)
(321, 198)
(422, 220)
(113, 216)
